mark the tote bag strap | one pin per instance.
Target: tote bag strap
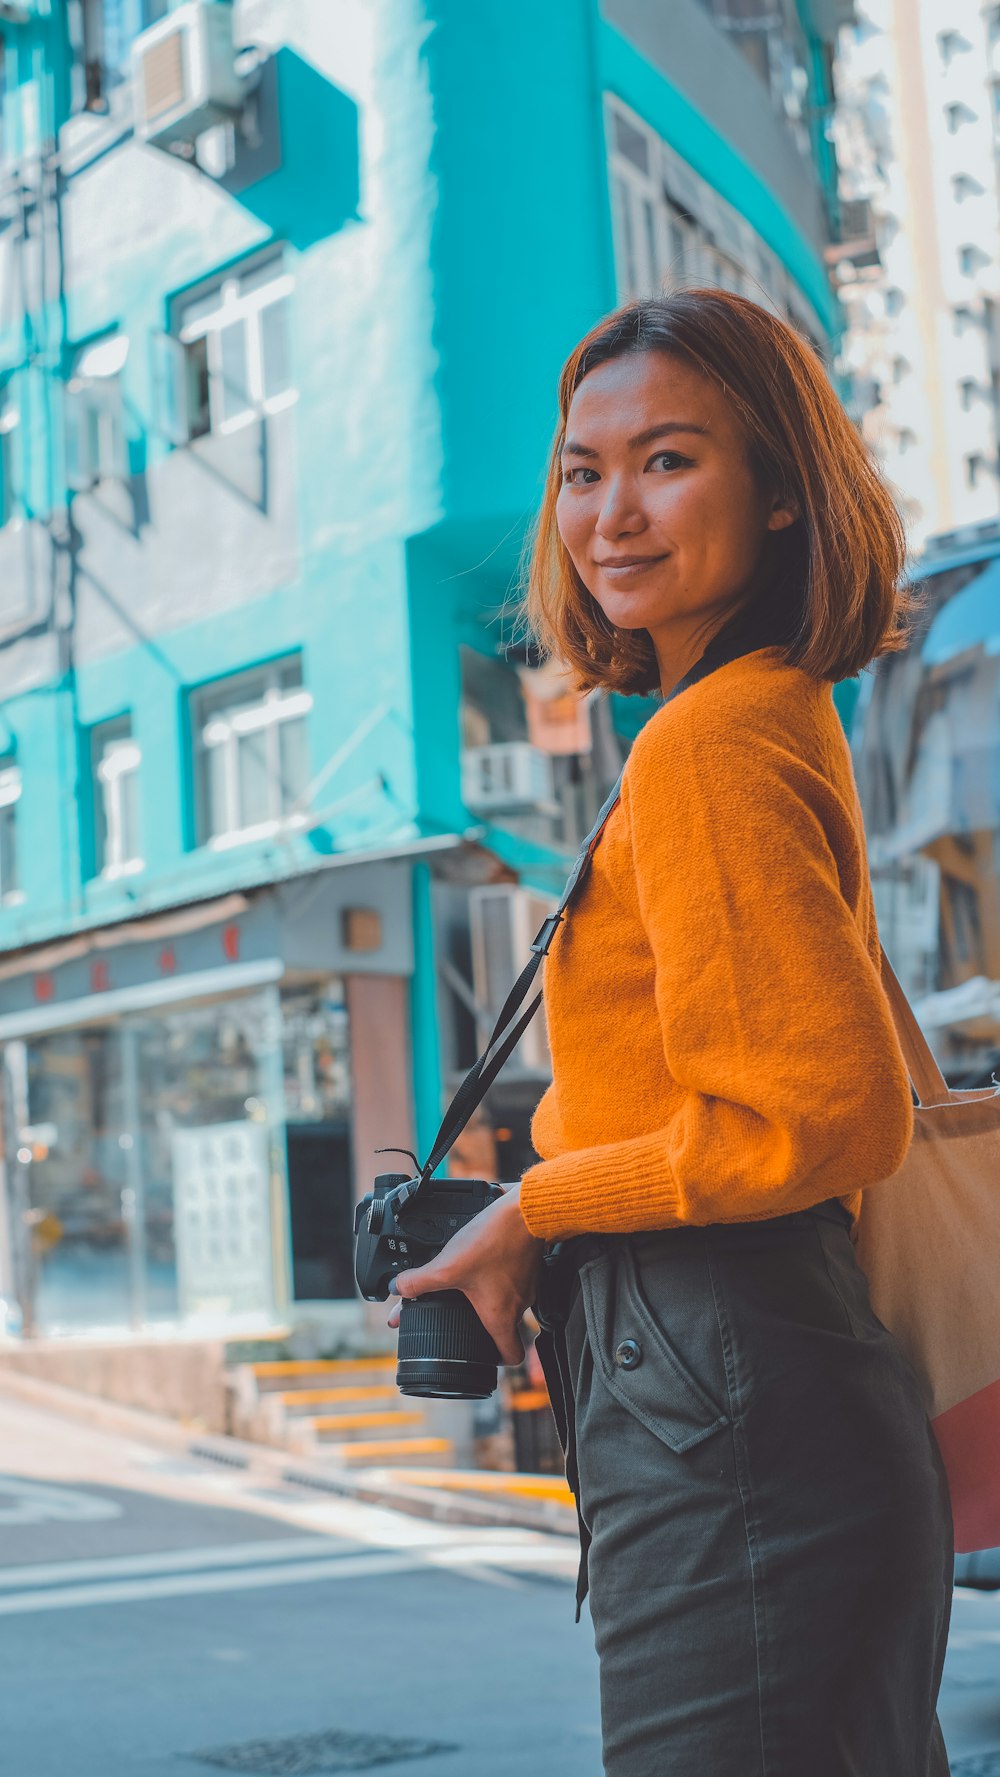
(929, 1083)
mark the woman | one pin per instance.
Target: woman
(768, 1524)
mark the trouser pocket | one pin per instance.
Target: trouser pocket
(638, 1362)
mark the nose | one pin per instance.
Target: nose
(620, 514)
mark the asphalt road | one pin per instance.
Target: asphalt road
(162, 1616)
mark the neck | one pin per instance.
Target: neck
(680, 645)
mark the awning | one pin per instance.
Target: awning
(970, 619)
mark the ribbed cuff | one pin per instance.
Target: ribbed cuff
(622, 1188)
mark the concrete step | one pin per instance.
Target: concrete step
(302, 1400)
(284, 1373)
(382, 1452)
(351, 1425)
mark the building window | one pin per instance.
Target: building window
(10, 796)
(10, 416)
(101, 33)
(116, 761)
(967, 393)
(956, 115)
(228, 358)
(974, 468)
(970, 258)
(964, 185)
(900, 366)
(951, 43)
(906, 439)
(895, 301)
(95, 421)
(251, 739)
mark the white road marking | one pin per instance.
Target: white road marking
(237, 1567)
(47, 1573)
(38, 1502)
(189, 1585)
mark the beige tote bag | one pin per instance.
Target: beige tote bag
(928, 1239)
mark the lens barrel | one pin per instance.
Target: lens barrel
(444, 1349)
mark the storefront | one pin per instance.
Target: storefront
(181, 1106)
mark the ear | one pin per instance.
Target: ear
(781, 515)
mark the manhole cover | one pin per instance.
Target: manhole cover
(977, 1764)
(312, 1755)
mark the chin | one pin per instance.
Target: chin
(625, 614)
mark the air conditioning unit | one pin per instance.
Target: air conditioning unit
(503, 919)
(507, 777)
(184, 74)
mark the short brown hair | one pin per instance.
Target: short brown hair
(837, 571)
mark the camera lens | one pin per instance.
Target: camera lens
(444, 1349)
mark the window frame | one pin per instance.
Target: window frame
(11, 787)
(107, 740)
(241, 714)
(233, 306)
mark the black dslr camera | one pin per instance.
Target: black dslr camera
(444, 1349)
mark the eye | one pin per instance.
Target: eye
(572, 476)
(672, 459)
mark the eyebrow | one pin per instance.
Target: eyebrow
(666, 430)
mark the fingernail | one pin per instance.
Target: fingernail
(393, 1291)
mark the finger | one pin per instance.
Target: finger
(417, 1282)
(395, 1313)
(509, 1346)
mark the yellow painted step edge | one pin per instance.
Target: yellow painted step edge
(371, 1451)
(358, 1421)
(494, 1481)
(321, 1366)
(317, 1397)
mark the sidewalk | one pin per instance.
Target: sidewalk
(451, 1496)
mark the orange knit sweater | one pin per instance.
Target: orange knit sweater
(722, 1047)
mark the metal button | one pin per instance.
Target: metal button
(628, 1354)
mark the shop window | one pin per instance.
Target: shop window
(95, 421)
(117, 760)
(227, 359)
(251, 740)
(10, 796)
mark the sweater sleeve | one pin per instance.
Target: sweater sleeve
(790, 1084)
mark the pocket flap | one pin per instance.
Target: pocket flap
(652, 1382)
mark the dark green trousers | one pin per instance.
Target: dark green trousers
(764, 1517)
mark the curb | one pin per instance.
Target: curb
(370, 1487)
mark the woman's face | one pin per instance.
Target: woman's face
(659, 509)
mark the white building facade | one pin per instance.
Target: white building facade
(918, 267)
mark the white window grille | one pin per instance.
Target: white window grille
(10, 796)
(251, 736)
(228, 359)
(672, 228)
(117, 762)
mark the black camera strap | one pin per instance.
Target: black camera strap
(752, 627)
(512, 1022)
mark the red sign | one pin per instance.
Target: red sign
(231, 943)
(100, 980)
(168, 960)
(45, 987)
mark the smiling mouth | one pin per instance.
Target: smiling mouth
(629, 564)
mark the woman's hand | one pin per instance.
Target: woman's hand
(494, 1261)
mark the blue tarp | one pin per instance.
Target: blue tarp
(969, 619)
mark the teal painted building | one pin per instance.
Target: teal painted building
(284, 291)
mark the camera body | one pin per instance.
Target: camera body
(444, 1349)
